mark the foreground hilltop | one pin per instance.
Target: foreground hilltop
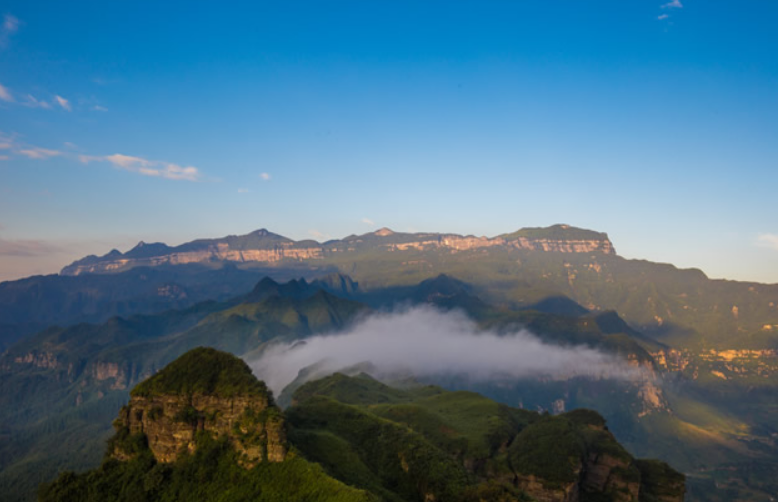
(263, 247)
(205, 426)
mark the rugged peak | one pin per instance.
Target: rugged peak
(204, 390)
(383, 232)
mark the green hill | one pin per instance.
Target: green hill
(352, 439)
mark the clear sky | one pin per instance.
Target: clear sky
(655, 122)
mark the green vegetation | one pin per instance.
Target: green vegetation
(662, 481)
(354, 439)
(550, 449)
(474, 443)
(203, 371)
(211, 473)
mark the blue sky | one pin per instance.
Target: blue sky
(653, 121)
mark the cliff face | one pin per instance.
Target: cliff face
(203, 391)
(263, 247)
(170, 423)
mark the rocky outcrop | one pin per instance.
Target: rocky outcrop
(541, 492)
(40, 359)
(204, 391)
(616, 477)
(171, 423)
(587, 463)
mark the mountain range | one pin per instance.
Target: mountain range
(77, 342)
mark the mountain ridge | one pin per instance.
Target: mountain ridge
(264, 247)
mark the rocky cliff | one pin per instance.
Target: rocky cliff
(266, 248)
(203, 391)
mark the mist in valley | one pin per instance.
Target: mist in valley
(425, 342)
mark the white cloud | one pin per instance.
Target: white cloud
(674, 4)
(33, 102)
(38, 153)
(425, 342)
(662, 17)
(126, 161)
(768, 241)
(368, 221)
(145, 167)
(64, 103)
(265, 176)
(98, 108)
(5, 94)
(243, 190)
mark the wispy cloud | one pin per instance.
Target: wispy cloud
(768, 241)
(5, 94)
(146, 167)
(27, 248)
(265, 176)
(98, 108)
(64, 103)
(4, 157)
(38, 153)
(34, 102)
(368, 221)
(674, 4)
(662, 17)
(243, 190)
(10, 26)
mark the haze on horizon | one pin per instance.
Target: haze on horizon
(653, 121)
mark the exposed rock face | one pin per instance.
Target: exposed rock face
(171, 422)
(203, 391)
(540, 492)
(263, 247)
(607, 474)
(39, 359)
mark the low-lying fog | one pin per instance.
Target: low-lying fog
(426, 342)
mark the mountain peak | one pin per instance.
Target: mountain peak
(203, 371)
(384, 232)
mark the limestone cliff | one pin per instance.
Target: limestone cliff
(203, 391)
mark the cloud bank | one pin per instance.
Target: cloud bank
(426, 342)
